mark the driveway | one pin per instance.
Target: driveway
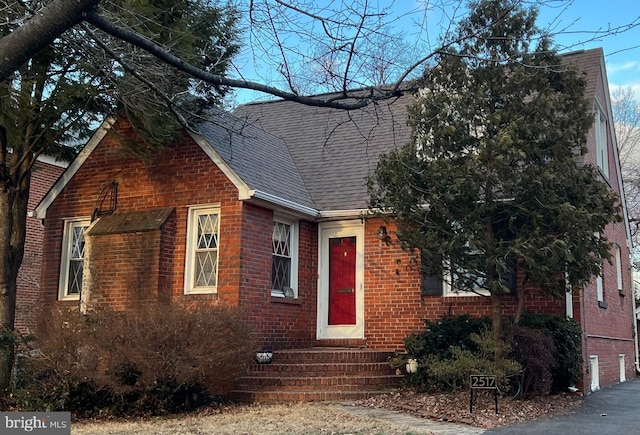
(612, 410)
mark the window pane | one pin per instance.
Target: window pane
(281, 239)
(77, 242)
(206, 267)
(281, 272)
(208, 231)
(75, 277)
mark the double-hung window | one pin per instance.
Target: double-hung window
(203, 235)
(284, 254)
(72, 259)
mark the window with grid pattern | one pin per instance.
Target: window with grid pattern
(284, 258)
(72, 260)
(202, 250)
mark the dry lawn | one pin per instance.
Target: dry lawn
(296, 418)
(325, 418)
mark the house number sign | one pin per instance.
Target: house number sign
(483, 382)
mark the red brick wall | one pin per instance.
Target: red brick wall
(394, 308)
(281, 322)
(179, 176)
(124, 268)
(42, 178)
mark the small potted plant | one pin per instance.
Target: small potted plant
(264, 356)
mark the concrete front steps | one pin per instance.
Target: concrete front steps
(318, 374)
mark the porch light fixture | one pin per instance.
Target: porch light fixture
(382, 233)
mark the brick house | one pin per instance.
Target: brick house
(45, 172)
(263, 209)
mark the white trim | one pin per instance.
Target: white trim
(63, 279)
(293, 251)
(276, 200)
(192, 234)
(594, 368)
(327, 230)
(52, 161)
(342, 214)
(623, 370)
(40, 211)
(618, 260)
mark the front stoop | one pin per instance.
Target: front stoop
(318, 374)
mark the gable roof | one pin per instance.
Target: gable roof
(257, 163)
(260, 159)
(334, 149)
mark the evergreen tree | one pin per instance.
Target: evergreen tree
(494, 175)
(58, 96)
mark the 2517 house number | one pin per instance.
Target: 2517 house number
(483, 382)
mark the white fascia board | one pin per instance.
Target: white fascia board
(52, 161)
(40, 211)
(343, 214)
(285, 203)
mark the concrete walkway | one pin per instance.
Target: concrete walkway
(417, 424)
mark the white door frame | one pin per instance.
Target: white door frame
(327, 230)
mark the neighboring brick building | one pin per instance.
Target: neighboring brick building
(45, 172)
(263, 210)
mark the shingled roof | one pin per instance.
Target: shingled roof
(334, 149)
(259, 158)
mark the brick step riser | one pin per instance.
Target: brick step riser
(328, 383)
(318, 375)
(286, 357)
(307, 396)
(323, 369)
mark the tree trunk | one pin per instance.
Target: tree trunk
(48, 24)
(520, 307)
(496, 316)
(14, 196)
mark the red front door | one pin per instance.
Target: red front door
(342, 281)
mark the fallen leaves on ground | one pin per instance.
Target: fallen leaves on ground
(454, 407)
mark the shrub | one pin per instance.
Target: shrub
(438, 337)
(567, 340)
(454, 371)
(535, 351)
(450, 350)
(154, 359)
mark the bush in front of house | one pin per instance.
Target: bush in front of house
(451, 349)
(153, 359)
(566, 350)
(547, 349)
(536, 352)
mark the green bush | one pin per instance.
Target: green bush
(454, 371)
(567, 340)
(154, 359)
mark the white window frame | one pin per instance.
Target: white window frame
(65, 258)
(619, 268)
(191, 248)
(293, 251)
(449, 291)
(602, 152)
